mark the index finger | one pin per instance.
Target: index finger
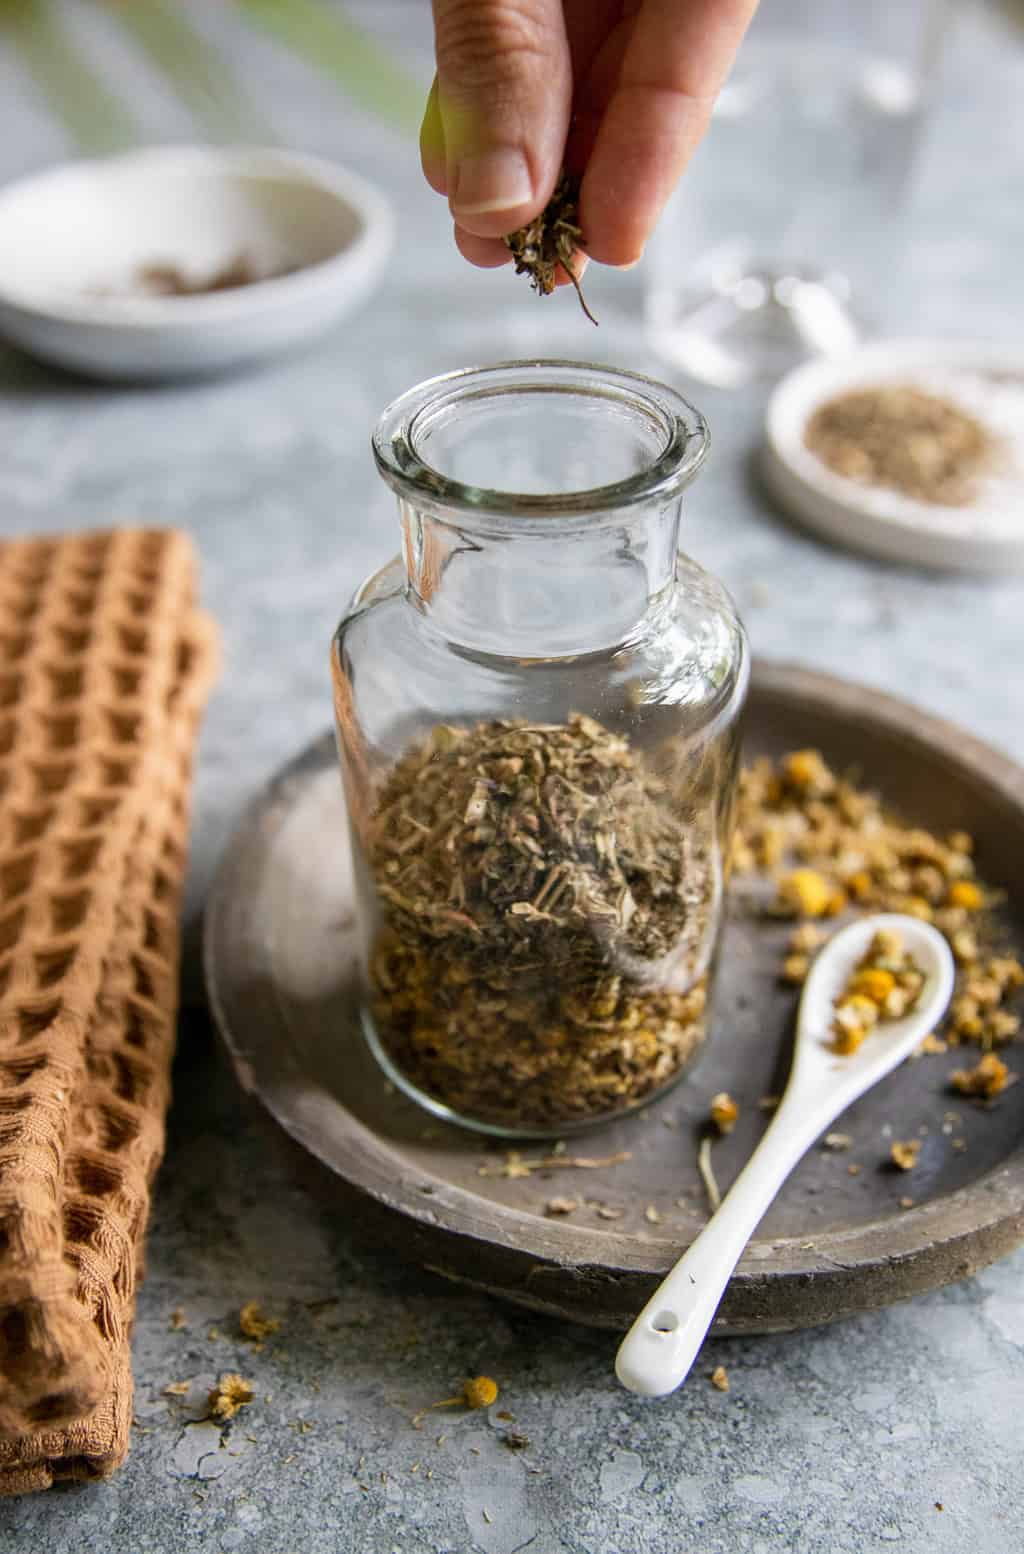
(674, 64)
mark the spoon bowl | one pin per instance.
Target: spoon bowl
(661, 1346)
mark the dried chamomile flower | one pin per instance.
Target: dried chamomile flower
(989, 1077)
(723, 1111)
(230, 1394)
(904, 1152)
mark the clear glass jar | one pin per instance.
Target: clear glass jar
(537, 711)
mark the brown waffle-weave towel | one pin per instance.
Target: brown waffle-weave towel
(105, 664)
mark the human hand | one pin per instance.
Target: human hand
(618, 91)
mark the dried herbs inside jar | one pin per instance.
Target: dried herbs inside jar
(545, 913)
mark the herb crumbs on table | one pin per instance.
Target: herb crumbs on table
(231, 1393)
(254, 1323)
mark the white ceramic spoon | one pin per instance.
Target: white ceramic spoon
(657, 1352)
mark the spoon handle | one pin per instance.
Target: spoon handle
(660, 1347)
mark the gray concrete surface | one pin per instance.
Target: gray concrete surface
(838, 1441)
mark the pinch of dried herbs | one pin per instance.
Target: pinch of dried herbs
(544, 910)
(902, 438)
(551, 239)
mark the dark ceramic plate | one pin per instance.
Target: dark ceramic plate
(280, 956)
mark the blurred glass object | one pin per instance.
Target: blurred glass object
(788, 213)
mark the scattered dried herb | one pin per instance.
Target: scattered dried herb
(477, 1392)
(707, 1174)
(230, 1394)
(988, 1078)
(904, 439)
(555, 1206)
(254, 1324)
(903, 1153)
(545, 912)
(798, 816)
(514, 1165)
(723, 1111)
(551, 239)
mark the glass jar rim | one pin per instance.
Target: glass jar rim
(685, 439)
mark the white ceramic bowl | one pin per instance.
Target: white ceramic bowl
(73, 240)
(985, 537)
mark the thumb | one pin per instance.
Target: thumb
(504, 91)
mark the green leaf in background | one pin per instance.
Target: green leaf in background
(196, 70)
(94, 117)
(325, 37)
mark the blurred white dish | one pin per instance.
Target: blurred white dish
(985, 536)
(74, 239)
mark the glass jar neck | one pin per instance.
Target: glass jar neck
(546, 590)
(539, 501)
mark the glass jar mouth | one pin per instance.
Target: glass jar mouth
(676, 432)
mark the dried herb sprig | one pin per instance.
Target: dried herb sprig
(551, 239)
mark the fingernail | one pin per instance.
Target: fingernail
(492, 181)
